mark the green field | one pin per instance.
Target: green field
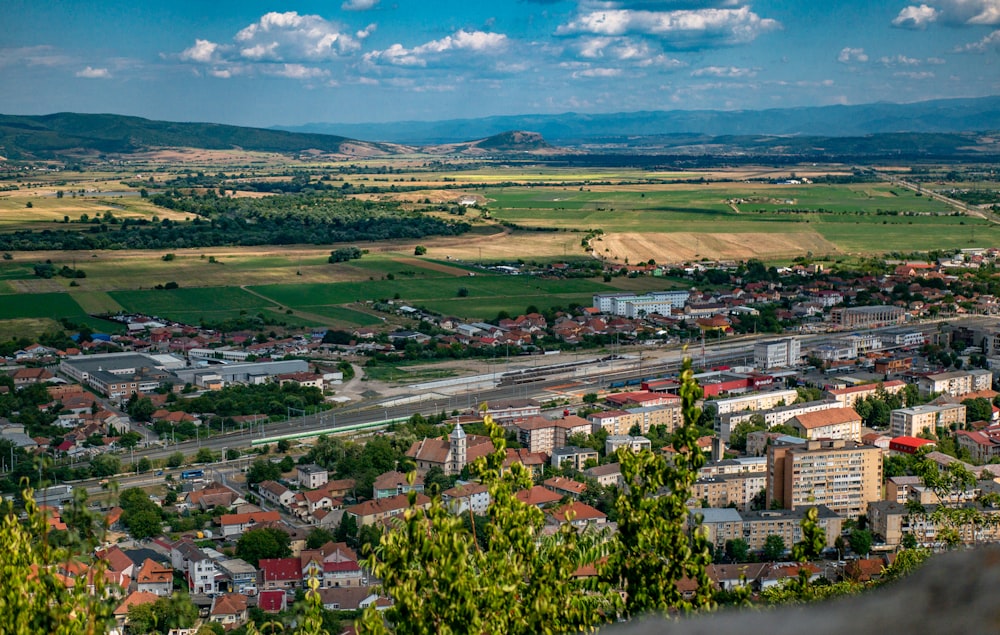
(40, 305)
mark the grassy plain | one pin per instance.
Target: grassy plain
(643, 214)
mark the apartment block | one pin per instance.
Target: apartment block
(754, 527)
(956, 383)
(843, 475)
(910, 422)
(774, 416)
(755, 401)
(850, 396)
(729, 489)
(835, 423)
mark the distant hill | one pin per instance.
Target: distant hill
(61, 134)
(508, 142)
(938, 116)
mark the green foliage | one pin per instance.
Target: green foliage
(344, 254)
(653, 549)
(266, 542)
(175, 460)
(141, 516)
(861, 541)
(205, 455)
(38, 601)
(318, 536)
(167, 613)
(439, 583)
(813, 537)
(737, 550)
(419, 250)
(738, 435)
(978, 409)
(774, 548)
(263, 470)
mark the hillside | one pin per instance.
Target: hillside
(508, 142)
(67, 134)
(938, 116)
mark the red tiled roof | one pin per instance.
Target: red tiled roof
(280, 569)
(537, 495)
(271, 601)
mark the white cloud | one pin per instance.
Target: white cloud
(913, 17)
(289, 36)
(94, 73)
(682, 28)
(914, 74)
(358, 5)
(469, 41)
(203, 51)
(724, 71)
(41, 55)
(991, 41)
(848, 55)
(598, 72)
(295, 71)
(899, 60)
(260, 51)
(950, 13)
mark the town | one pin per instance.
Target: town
(831, 392)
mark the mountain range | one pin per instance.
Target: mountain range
(942, 115)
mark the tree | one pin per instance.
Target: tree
(266, 542)
(144, 465)
(284, 446)
(318, 537)
(129, 440)
(439, 586)
(737, 550)
(144, 524)
(263, 470)
(738, 436)
(435, 481)
(655, 546)
(774, 548)
(347, 530)
(861, 541)
(419, 250)
(34, 597)
(175, 460)
(978, 409)
(590, 398)
(462, 292)
(140, 408)
(105, 465)
(205, 455)
(232, 454)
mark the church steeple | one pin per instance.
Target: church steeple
(459, 450)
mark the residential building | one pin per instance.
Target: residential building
(155, 578)
(843, 475)
(579, 515)
(280, 573)
(238, 576)
(633, 305)
(849, 396)
(835, 423)
(635, 444)
(777, 353)
(911, 422)
(755, 401)
(233, 525)
(612, 421)
(983, 445)
(574, 456)
(229, 610)
(396, 483)
(312, 476)
(461, 498)
(565, 486)
(729, 489)
(537, 496)
(890, 521)
(753, 527)
(276, 493)
(374, 511)
(537, 434)
(607, 474)
(773, 416)
(347, 598)
(956, 383)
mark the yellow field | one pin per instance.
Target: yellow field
(26, 327)
(681, 246)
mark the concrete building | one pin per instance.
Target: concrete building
(849, 396)
(910, 422)
(754, 527)
(312, 476)
(633, 305)
(635, 444)
(773, 416)
(725, 490)
(777, 353)
(956, 383)
(834, 423)
(843, 475)
(755, 401)
(867, 316)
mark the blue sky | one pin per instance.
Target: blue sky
(287, 63)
